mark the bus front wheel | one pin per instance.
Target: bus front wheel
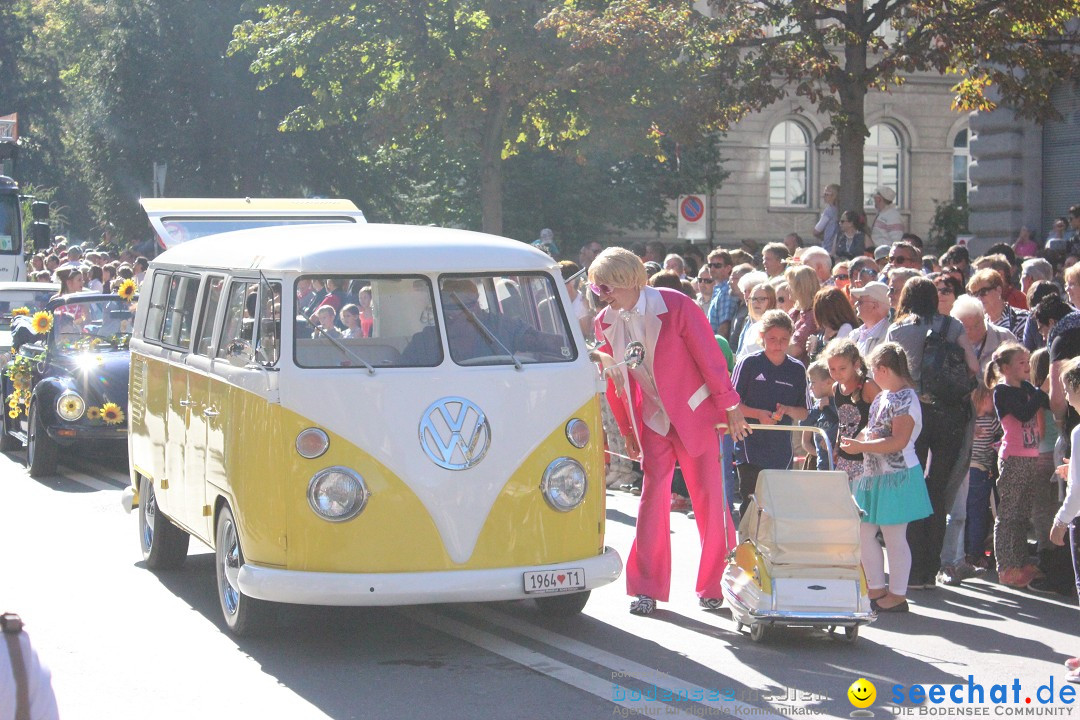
(243, 615)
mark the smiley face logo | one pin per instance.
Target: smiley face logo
(862, 693)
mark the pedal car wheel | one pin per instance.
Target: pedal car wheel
(851, 634)
(42, 452)
(243, 615)
(164, 546)
(562, 606)
(758, 631)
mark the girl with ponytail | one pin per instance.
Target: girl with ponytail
(1018, 404)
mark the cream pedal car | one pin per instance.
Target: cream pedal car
(798, 559)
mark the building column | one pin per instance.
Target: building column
(1006, 172)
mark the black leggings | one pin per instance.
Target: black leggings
(942, 437)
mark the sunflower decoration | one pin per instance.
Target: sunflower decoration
(93, 413)
(42, 322)
(17, 402)
(70, 406)
(112, 414)
(20, 311)
(127, 289)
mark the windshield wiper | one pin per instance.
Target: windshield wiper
(340, 346)
(484, 329)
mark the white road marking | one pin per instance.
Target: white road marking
(540, 663)
(87, 480)
(620, 666)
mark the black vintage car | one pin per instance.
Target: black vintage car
(66, 383)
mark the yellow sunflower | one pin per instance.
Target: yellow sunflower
(112, 414)
(13, 414)
(20, 311)
(127, 289)
(42, 322)
(70, 406)
(93, 413)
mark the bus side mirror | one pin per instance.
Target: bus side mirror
(238, 353)
(41, 234)
(39, 209)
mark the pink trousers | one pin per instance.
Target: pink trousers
(648, 569)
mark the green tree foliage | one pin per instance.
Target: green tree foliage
(833, 53)
(473, 75)
(479, 79)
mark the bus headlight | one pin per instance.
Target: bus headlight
(564, 484)
(70, 406)
(337, 494)
(577, 432)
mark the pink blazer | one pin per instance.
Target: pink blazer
(691, 374)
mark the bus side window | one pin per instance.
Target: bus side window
(211, 302)
(239, 318)
(269, 343)
(156, 314)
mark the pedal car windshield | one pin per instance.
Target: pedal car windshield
(97, 324)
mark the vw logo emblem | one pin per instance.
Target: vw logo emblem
(454, 433)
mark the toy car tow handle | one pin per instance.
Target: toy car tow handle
(720, 427)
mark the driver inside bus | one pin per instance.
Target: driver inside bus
(474, 333)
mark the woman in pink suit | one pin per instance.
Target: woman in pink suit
(667, 408)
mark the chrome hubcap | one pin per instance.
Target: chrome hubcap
(229, 568)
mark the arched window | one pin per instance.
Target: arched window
(789, 160)
(961, 161)
(881, 163)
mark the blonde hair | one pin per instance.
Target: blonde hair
(618, 268)
(1002, 356)
(776, 319)
(891, 356)
(818, 370)
(804, 284)
(1072, 274)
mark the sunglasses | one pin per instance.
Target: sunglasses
(708, 281)
(944, 290)
(781, 299)
(600, 289)
(717, 265)
(867, 271)
(845, 276)
(983, 292)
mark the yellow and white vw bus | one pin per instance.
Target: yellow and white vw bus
(361, 414)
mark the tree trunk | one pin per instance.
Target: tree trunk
(851, 126)
(491, 168)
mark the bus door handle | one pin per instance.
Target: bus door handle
(187, 403)
(210, 413)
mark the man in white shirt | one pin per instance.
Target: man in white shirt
(888, 225)
(872, 307)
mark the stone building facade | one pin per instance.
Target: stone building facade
(918, 146)
(1022, 171)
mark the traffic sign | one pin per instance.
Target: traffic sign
(693, 217)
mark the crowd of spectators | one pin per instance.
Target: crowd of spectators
(842, 334)
(97, 270)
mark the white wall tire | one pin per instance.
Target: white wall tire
(164, 546)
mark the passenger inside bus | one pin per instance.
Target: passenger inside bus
(474, 333)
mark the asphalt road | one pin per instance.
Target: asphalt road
(123, 642)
